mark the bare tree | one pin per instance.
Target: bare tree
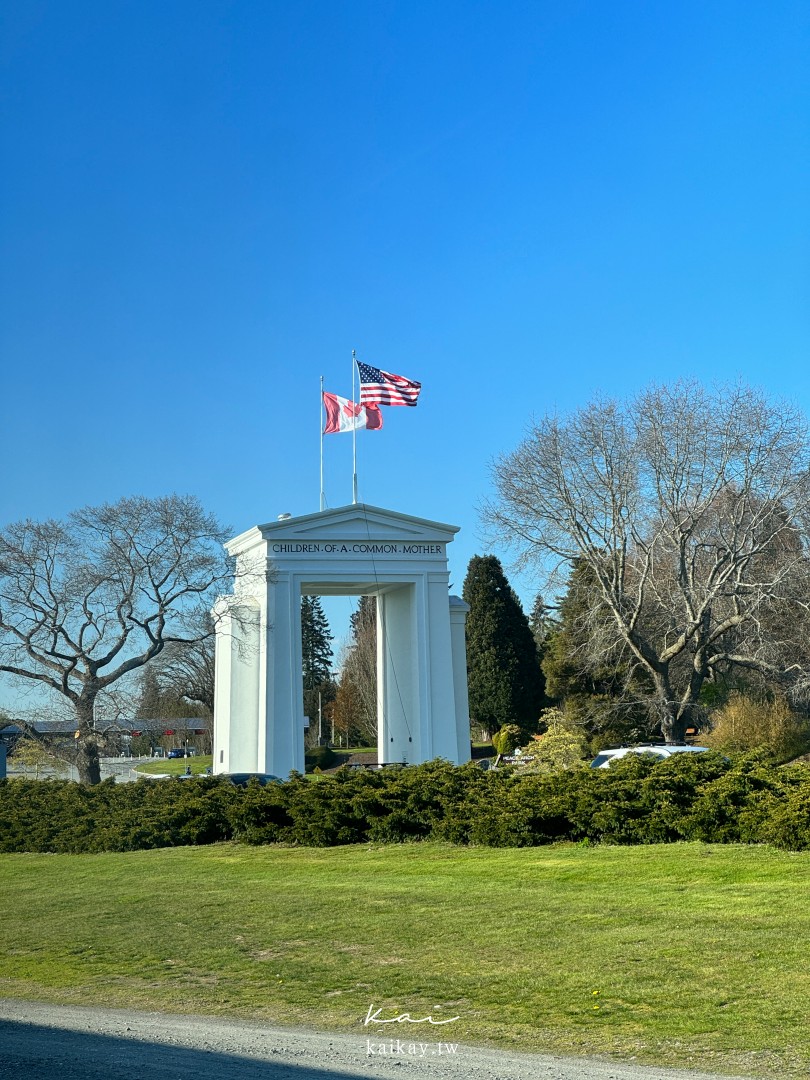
(187, 668)
(355, 706)
(85, 601)
(690, 508)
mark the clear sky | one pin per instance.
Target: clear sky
(206, 205)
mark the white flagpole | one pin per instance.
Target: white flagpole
(354, 434)
(323, 498)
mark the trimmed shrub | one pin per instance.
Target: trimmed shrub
(508, 739)
(63, 816)
(638, 800)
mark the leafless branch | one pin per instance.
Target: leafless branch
(691, 510)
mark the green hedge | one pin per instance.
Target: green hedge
(636, 801)
(61, 815)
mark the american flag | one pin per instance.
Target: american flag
(382, 388)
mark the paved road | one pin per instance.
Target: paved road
(123, 769)
(43, 1042)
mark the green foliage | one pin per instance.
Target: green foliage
(563, 746)
(30, 755)
(508, 739)
(542, 624)
(504, 677)
(316, 642)
(160, 702)
(566, 669)
(320, 757)
(63, 816)
(638, 800)
(745, 723)
(592, 684)
(783, 822)
(736, 806)
(141, 745)
(260, 815)
(316, 654)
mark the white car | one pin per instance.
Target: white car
(607, 757)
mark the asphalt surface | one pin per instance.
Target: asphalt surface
(123, 769)
(46, 1042)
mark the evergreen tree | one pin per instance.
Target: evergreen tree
(599, 688)
(316, 652)
(157, 702)
(504, 677)
(150, 703)
(316, 642)
(542, 622)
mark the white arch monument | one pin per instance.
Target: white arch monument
(422, 706)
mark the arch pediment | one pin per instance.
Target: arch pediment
(357, 523)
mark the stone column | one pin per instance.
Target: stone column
(438, 667)
(283, 705)
(398, 719)
(458, 622)
(236, 703)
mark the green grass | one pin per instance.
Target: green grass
(200, 762)
(177, 766)
(696, 955)
(344, 752)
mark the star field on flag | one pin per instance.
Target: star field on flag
(382, 388)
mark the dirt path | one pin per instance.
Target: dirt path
(46, 1042)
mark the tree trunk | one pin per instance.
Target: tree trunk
(671, 716)
(87, 761)
(676, 719)
(673, 727)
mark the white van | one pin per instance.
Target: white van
(607, 757)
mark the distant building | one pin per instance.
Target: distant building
(120, 731)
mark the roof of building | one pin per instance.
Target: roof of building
(122, 724)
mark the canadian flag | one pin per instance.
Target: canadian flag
(345, 415)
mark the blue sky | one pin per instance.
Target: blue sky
(205, 206)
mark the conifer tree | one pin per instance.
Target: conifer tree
(158, 702)
(504, 677)
(316, 653)
(541, 622)
(590, 674)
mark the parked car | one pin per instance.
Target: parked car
(607, 757)
(181, 752)
(242, 779)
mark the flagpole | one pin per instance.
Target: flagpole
(320, 415)
(354, 435)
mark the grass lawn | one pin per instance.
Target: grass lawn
(343, 752)
(681, 954)
(200, 762)
(177, 766)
